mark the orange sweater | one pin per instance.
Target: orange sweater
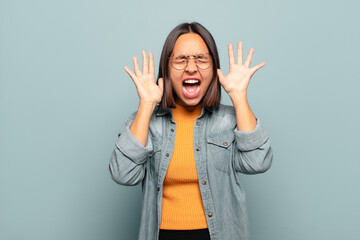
(182, 205)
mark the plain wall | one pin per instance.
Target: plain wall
(64, 95)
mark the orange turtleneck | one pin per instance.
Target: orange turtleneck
(182, 206)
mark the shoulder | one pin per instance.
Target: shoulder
(158, 111)
(224, 110)
(222, 118)
(156, 121)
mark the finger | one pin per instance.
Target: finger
(257, 67)
(220, 74)
(231, 54)
(151, 64)
(145, 67)
(161, 84)
(239, 53)
(249, 57)
(136, 66)
(131, 74)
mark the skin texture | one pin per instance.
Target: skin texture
(189, 44)
(235, 83)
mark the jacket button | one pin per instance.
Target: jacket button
(198, 123)
(210, 214)
(167, 155)
(172, 130)
(151, 152)
(225, 143)
(197, 149)
(203, 182)
(158, 188)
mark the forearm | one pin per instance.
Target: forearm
(140, 126)
(245, 118)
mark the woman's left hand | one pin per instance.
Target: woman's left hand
(238, 78)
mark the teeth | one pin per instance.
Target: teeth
(198, 88)
(191, 81)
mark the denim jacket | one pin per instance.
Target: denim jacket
(222, 152)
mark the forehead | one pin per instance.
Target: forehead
(190, 43)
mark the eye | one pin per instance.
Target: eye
(202, 58)
(180, 59)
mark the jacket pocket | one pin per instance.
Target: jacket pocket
(220, 148)
(155, 157)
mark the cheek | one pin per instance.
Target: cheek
(175, 78)
(209, 76)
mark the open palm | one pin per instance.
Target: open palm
(147, 89)
(239, 74)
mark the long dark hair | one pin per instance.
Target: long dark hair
(213, 94)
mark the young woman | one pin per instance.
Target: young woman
(185, 147)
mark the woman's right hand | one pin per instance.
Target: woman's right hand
(149, 92)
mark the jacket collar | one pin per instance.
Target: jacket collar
(162, 112)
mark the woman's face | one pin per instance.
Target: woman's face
(191, 83)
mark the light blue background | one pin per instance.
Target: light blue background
(64, 96)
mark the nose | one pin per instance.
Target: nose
(191, 66)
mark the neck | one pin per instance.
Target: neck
(189, 109)
(186, 112)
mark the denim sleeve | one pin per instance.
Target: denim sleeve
(128, 159)
(253, 152)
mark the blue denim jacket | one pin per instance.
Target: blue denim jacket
(221, 153)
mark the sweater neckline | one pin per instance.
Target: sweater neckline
(183, 113)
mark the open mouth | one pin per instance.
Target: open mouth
(191, 87)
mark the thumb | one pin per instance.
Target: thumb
(161, 84)
(220, 74)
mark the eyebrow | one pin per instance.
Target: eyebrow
(180, 56)
(184, 56)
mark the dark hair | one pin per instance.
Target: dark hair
(213, 94)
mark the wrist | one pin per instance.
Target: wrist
(147, 106)
(238, 95)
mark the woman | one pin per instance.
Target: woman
(185, 147)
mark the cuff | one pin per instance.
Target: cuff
(247, 141)
(132, 148)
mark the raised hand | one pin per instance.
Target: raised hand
(238, 78)
(149, 92)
